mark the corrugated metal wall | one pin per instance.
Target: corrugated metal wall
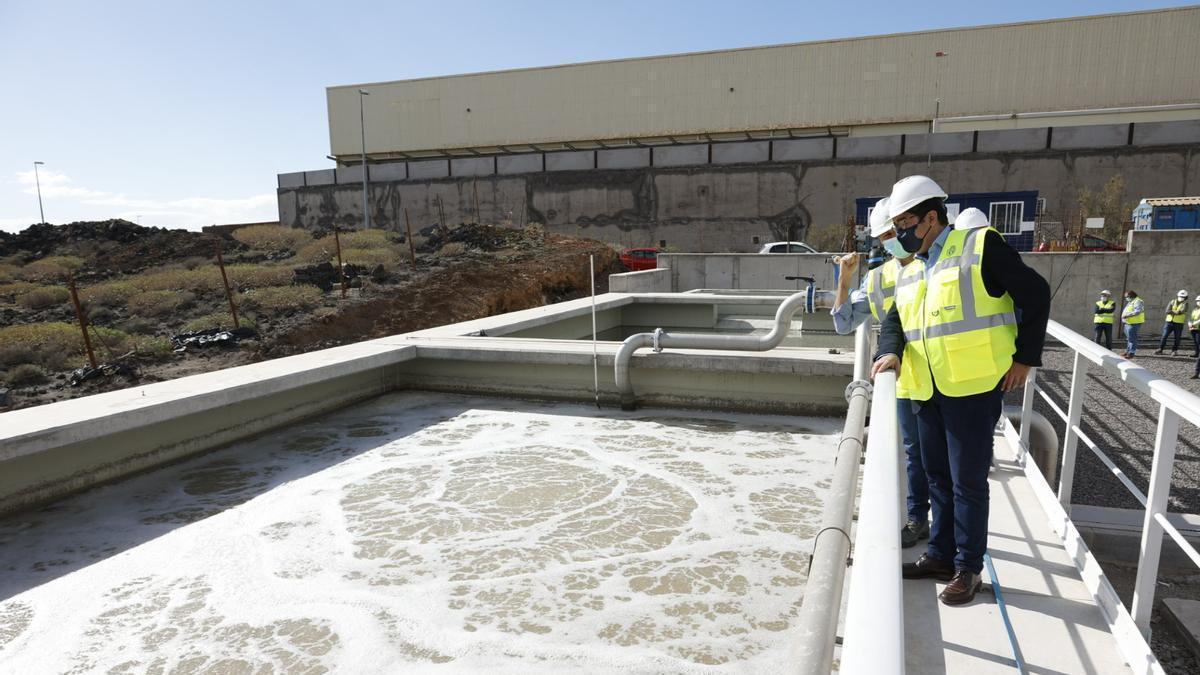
(1147, 58)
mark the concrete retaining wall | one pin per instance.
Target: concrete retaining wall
(679, 197)
(646, 281)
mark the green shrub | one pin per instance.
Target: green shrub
(46, 296)
(51, 268)
(202, 280)
(259, 276)
(272, 237)
(8, 272)
(10, 291)
(372, 241)
(158, 303)
(217, 320)
(152, 346)
(110, 293)
(24, 375)
(52, 344)
(140, 326)
(16, 354)
(453, 248)
(278, 299)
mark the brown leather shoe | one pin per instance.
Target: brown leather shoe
(927, 567)
(961, 589)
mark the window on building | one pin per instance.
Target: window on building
(662, 243)
(1006, 216)
(755, 240)
(1041, 206)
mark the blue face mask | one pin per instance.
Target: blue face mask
(909, 240)
(894, 247)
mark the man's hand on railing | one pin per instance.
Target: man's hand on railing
(1015, 378)
(885, 362)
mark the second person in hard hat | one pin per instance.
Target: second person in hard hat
(1133, 315)
(1194, 329)
(956, 340)
(1103, 319)
(875, 298)
(1176, 317)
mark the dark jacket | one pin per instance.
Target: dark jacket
(1003, 272)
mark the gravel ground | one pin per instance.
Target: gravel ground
(1123, 422)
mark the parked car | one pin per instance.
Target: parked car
(636, 259)
(1089, 243)
(787, 247)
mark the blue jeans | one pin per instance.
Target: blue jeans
(956, 447)
(918, 485)
(1171, 328)
(1131, 337)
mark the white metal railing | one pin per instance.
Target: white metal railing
(874, 632)
(1175, 404)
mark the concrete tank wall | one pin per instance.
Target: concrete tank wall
(723, 208)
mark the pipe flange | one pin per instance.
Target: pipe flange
(856, 384)
(658, 332)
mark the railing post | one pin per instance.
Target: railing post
(1071, 439)
(1026, 418)
(1152, 531)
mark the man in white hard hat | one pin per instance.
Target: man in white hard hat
(955, 337)
(1176, 317)
(875, 297)
(1103, 319)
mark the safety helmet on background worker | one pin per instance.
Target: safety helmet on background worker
(970, 219)
(1181, 294)
(879, 220)
(1105, 292)
(910, 191)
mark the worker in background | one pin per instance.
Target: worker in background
(1176, 316)
(1133, 315)
(1194, 329)
(954, 336)
(875, 298)
(1104, 319)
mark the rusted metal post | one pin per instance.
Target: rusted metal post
(412, 250)
(87, 341)
(337, 242)
(225, 282)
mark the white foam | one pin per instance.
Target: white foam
(428, 531)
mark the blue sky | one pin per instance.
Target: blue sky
(180, 114)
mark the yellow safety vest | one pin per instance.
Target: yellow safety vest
(1196, 319)
(1175, 311)
(1137, 317)
(881, 288)
(1104, 318)
(958, 337)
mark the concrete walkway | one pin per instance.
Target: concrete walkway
(1058, 624)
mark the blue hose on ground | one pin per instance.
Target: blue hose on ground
(1012, 636)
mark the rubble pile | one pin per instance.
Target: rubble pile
(481, 237)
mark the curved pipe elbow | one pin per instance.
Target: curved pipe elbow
(783, 320)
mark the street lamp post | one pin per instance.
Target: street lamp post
(362, 127)
(38, 181)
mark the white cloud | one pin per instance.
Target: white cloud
(72, 202)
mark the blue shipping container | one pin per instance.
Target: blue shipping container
(1182, 217)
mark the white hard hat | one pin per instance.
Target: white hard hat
(970, 219)
(1181, 294)
(879, 218)
(1105, 292)
(910, 191)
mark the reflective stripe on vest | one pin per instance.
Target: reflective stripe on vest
(1104, 318)
(1175, 312)
(881, 288)
(959, 337)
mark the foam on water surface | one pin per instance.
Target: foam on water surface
(434, 532)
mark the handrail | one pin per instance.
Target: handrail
(874, 629)
(1175, 404)
(812, 652)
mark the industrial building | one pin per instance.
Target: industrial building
(714, 151)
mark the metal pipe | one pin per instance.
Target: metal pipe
(874, 629)
(1042, 438)
(660, 339)
(1072, 113)
(362, 128)
(812, 651)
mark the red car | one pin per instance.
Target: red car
(637, 259)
